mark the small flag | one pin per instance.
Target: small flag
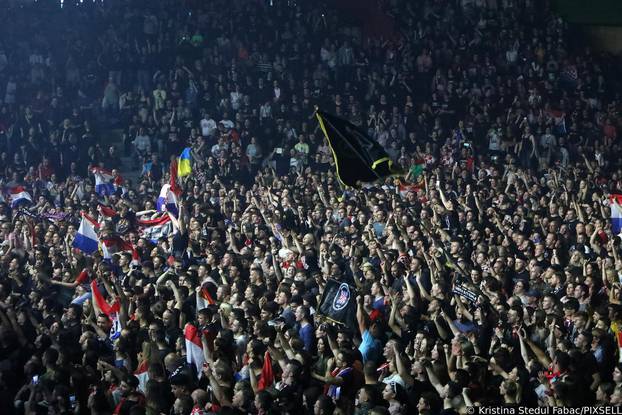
(82, 276)
(417, 170)
(154, 229)
(103, 181)
(207, 295)
(91, 219)
(116, 244)
(110, 310)
(19, 196)
(136, 261)
(86, 239)
(54, 216)
(338, 303)
(173, 178)
(167, 198)
(615, 201)
(107, 211)
(105, 253)
(194, 347)
(266, 379)
(405, 189)
(184, 167)
(142, 373)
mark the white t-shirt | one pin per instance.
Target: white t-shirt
(236, 98)
(494, 142)
(228, 124)
(208, 127)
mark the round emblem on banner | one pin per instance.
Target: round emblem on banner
(342, 297)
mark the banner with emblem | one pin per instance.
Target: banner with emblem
(338, 303)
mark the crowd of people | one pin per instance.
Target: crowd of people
(489, 275)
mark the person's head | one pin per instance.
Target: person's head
(343, 339)
(561, 362)
(583, 340)
(50, 357)
(183, 405)
(200, 398)
(604, 392)
(379, 410)
(263, 401)
(368, 394)
(302, 314)
(204, 316)
(323, 406)
(393, 391)
(344, 359)
(128, 385)
(427, 403)
(242, 397)
(509, 390)
(156, 331)
(179, 386)
(515, 314)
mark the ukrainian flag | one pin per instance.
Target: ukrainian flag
(183, 163)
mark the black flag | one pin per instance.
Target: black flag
(358, 158)
(338, 303)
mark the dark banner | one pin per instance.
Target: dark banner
(465, 293)
(338, 303)
(358, 157)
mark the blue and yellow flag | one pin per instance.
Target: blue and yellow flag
(183, 164)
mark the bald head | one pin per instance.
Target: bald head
(172, 361)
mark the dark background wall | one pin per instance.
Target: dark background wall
(599, 20)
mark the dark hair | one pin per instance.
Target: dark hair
(326, 405)
(186, 403)
(132, 381)
(265, 400)
(305, 312)
(100, 403)
(379, 410)
(563, 360)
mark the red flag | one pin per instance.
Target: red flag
(153, 222)
(90, 219)
(106, 308)
(205, 293)
(107, 211)
(135, 255)
(117, 244)
(267, 376)
(142, 367)
(83, 276)
(173, 181)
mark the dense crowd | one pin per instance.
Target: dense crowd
(489, 276)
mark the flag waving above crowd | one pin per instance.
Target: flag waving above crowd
(358, 158)
(167, 199)
(86, 239)
(338, 303)
(184, 166)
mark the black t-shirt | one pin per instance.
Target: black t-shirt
(180, 243)
(289, 399)
(282, 164)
